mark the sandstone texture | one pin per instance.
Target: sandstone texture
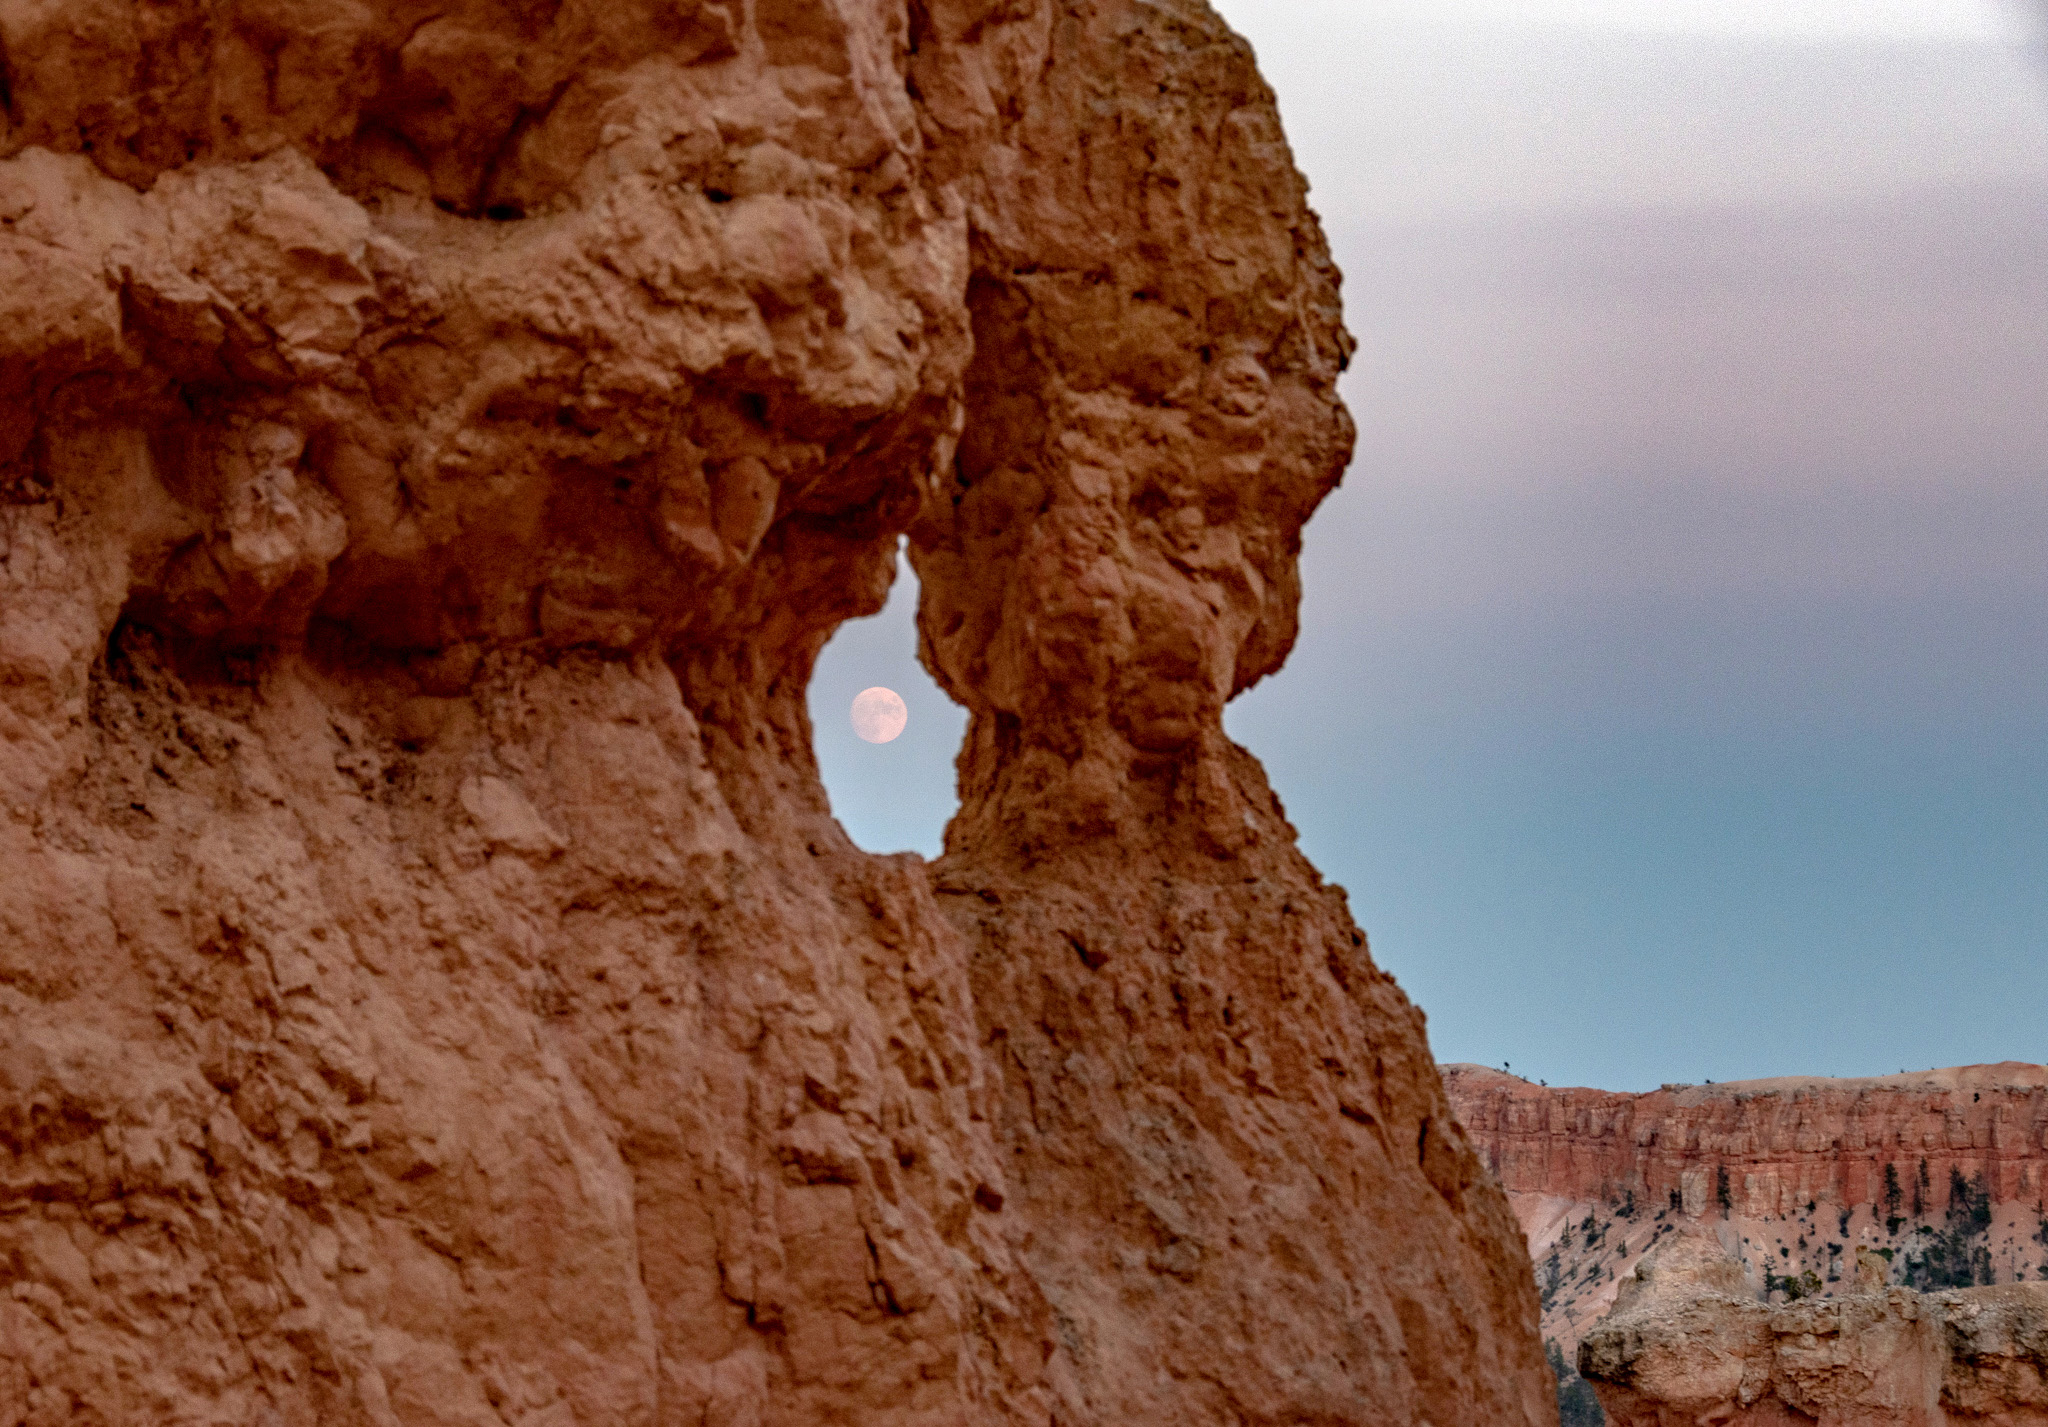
(1943, 1170)
(436, 440)
(1687, 1343)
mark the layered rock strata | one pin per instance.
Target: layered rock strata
(435, 443)
(1687, 1342)
(1785, 1142)
(1942, 1170)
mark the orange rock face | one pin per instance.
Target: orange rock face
(435, 442)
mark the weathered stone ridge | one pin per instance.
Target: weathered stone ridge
(436, 440)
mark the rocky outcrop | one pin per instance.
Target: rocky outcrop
(1944, 1171)
(1687, 1343)
(435, 442)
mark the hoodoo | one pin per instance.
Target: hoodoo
(435, 442)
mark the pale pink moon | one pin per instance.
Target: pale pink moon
(878, 714)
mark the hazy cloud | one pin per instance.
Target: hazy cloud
(1673, 685)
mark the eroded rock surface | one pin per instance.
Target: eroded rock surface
(1686, 1343)
(436, 441)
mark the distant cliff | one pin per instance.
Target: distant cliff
(1784, 1142)
(1943, 1173)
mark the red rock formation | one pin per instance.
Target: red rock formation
(1784, 1142)
(435, 442)
(1598, 1179)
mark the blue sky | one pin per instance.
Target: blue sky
(1676, 651)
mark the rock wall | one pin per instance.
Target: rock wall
(1687, 1343)
(1784, 1142)
(1942, 1171)
(435, 442)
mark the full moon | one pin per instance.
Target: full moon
(878, 714)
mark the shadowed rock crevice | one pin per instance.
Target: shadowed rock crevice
(438, 442)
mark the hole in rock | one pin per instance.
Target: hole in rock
(895, 796)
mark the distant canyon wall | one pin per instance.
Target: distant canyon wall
(1783, 1143)
(1940, 1174)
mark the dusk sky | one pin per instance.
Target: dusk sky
(1672, 695)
